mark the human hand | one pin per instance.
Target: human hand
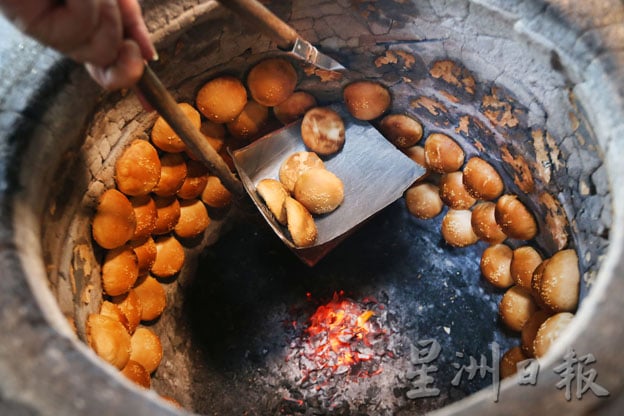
(108, 36)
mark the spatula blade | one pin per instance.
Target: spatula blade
(304, 50)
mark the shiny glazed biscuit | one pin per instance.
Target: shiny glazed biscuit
(151, 295)
(146, 349)
(137, 170)
(119, 270)
(272, 81)
(109, 339)
(165, 138)
(114, 221)
(222, 99)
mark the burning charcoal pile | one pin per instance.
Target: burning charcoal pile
(343, 341)
(338, 338)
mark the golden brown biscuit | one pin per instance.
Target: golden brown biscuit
(514, 218)
(195, 181)
(294, 107)
(551, 330)
(151, 295)
(193, 220)
(130, 305)
(529, 331)
(416, 153)
(146, 349)
(495, 263)
(453, 192)
(319, 190)
(559, 286)
(366, 100)
(524, 262)
(146, 216)
(137, 170)
(443, 154)
(272, 81)
(145, 250)
(323, 131)
(165, 138)
(536, 283)
(168, 208)
(423, 200)
(295, 165)
(516, 307)
(109, 339)
(222, 99)
(482, 180)
(136, 373)
(119, 270)
(114, 220)
(172, 174)
(112, 311)
(250, 123)
(484, 223)
(457, 229)
(169, 257)
(401, 130)
(215, 195)
(510, 360)
(274, 194)
(300, 223)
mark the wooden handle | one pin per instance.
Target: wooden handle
(157, 95)
(261, 17)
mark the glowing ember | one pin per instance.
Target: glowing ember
(334, 352)
(341, 334)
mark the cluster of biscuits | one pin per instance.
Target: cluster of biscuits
(161, 199)
(541, 293)
(305, 187)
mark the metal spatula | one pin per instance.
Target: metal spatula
(374, 173)
(282, 34)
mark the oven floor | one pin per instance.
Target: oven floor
(249, 291)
